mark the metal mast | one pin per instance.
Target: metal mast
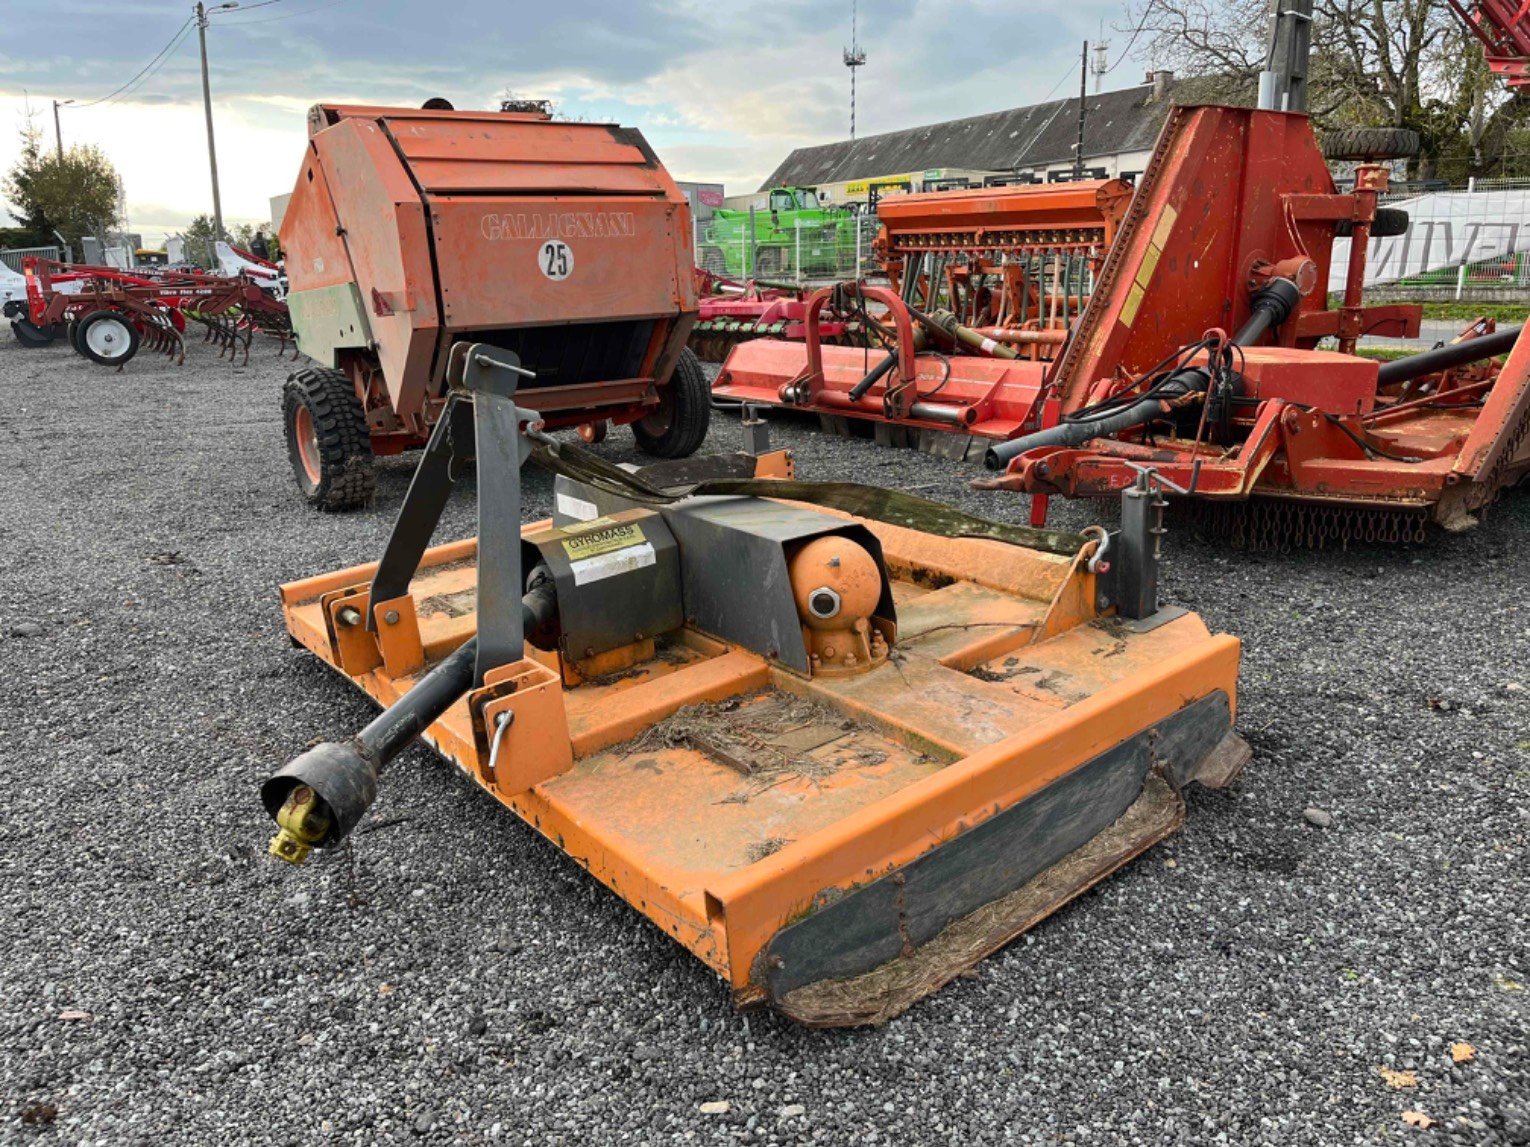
(1283, 83)
(1083, 98)
(855, 57)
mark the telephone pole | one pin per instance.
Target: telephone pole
(1283, 83)
(58, 134)
(1083, 96)
(212, 151)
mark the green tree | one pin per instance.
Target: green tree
(200, 242)
(74, 194)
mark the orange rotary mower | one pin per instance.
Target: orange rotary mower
(839, 742)
(410, 231)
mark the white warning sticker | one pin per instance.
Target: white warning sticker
(612, 564)
(576, 508)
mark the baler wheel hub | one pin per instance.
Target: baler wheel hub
(307, 443)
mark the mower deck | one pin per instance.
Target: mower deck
(841, 845)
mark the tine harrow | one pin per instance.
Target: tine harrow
(231, 309)
(158, 332)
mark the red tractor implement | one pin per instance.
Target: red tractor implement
(985, 286)
(108, 314)
(1503, 28)
(733, 312)
(1198, 356)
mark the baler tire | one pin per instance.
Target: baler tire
(1389, 222)
(100, 319)
(678, 428)
(33, 336)
(328, 444)
(713, 260)
(1368, 144)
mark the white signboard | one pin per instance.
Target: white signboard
(1445, 230)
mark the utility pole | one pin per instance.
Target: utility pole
(58, 133)
(855, 57)
(1283, 83)
(212, 151)
(1083, 96)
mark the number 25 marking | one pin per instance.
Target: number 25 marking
(556, 260)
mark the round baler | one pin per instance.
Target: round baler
(411, 230)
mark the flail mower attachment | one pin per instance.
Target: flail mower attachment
(840, 742)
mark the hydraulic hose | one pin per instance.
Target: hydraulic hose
(1445, 357)
(1272, 305)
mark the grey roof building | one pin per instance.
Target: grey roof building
(1031, 138)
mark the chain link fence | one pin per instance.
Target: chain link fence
(814, 247)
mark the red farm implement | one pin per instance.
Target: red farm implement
(108, 314)
(1501, 26)
(1198, 356)
(1193, 348)
(731, 312)
(984, 287)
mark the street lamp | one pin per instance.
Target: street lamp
(58, 134)
(212, 151)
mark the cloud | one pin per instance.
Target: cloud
(722, 91)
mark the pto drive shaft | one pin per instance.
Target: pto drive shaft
(321, 794)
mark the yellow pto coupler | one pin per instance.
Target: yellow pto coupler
(301, 824)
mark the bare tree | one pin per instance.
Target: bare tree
(1394, 63)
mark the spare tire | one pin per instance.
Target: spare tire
(1389, 221)
(1361, 144)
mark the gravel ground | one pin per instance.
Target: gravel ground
(452, 979)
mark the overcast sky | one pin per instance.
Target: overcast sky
(722, 89)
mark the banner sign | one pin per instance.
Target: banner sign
(1445, 230)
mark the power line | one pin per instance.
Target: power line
(287, 16)
(1057, 85)
(165, 54)
(185, 34)
(1142, 23)
(157, 56)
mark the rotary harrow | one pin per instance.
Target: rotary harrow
(732, 312)
(985, 285)
(108, 314)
